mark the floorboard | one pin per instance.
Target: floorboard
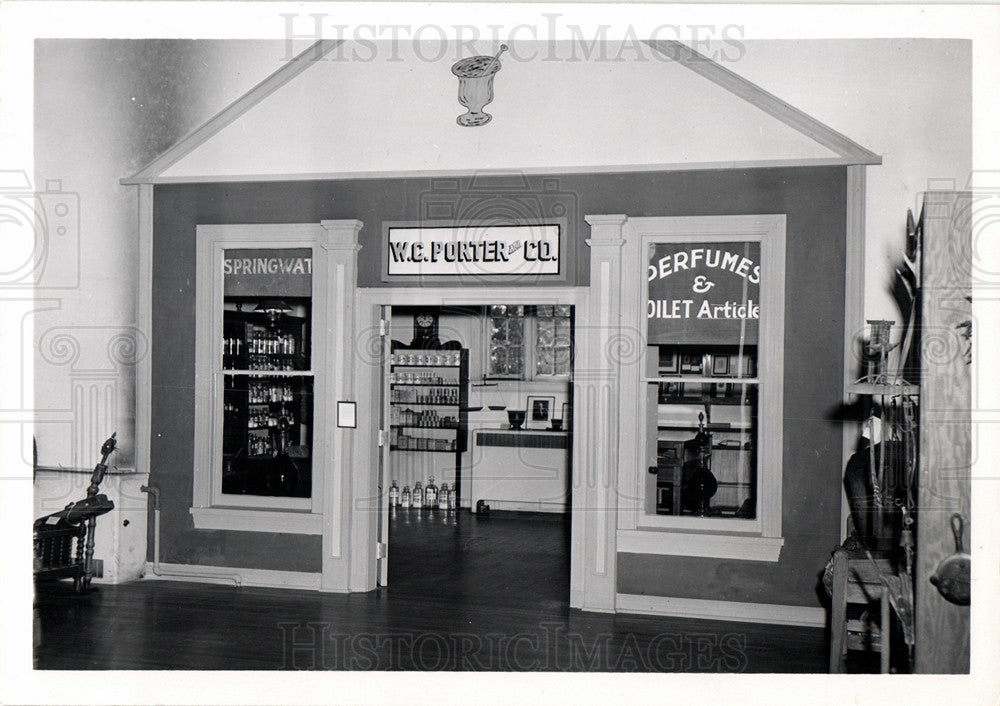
(465, 593)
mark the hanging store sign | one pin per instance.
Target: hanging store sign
(705, 293)
(278, 272)
(472, 250)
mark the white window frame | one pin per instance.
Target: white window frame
(211, 509)
(758, 539)
(528, 341)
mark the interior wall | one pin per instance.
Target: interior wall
(908, 100)
(813, 200)
(104, 108)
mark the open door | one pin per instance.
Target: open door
(382, 551)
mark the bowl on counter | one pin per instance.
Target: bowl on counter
(516, 417)
(556, 425)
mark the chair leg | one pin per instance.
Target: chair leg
(884, 630)
(838, 614)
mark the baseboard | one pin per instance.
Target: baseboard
(769, 613)
(528, 506)
(229, 575)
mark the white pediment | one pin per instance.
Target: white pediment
(376, 109)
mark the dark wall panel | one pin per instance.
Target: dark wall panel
(812, 198)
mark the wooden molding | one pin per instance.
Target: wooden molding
(248, 520)
(715, 546)
(854, 310)
(264, 578)
(144, 326)
(768, 613)
(554, 169)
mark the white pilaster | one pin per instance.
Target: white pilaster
(340, 241)
(596, 399)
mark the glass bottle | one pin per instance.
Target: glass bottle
(404, 497)
(393, 494)
(443, 497)
(418, 495)
(430, 494)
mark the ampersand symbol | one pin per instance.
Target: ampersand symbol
(701, 284)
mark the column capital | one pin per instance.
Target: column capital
(606, 230)
(342, 234)
(615, 219)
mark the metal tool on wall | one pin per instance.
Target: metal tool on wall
(952, 577)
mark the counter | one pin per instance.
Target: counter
(526, 470)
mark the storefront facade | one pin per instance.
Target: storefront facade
(624, 557)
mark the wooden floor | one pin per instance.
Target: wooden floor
(465, 593)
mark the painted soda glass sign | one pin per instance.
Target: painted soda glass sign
(706, 293)
(279, 272)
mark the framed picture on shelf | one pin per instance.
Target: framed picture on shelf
(720, 365)
(539, 411)
(691, 363)
(670, 362)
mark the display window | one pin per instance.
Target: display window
(702, 330)
(706, 474)
(266, 369)
(258, 368)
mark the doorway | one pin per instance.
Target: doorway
(475, 466)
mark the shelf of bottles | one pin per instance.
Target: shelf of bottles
(249, 345)
(428, 429)
(428, 391)
(719, 384)
(267, 400)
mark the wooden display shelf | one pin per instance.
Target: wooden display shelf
(705, 399)
(423, 451)
(708, 427)
(883, 389)
(395, 403)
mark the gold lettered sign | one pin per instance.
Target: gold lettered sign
(703, 293)
(278, 272)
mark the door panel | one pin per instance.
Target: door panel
(383, 464)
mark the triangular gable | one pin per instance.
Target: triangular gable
(325, 115)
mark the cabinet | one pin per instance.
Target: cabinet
(713, 390)
(428, 414)
(267, 405)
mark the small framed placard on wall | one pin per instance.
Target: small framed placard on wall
(347, 415)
